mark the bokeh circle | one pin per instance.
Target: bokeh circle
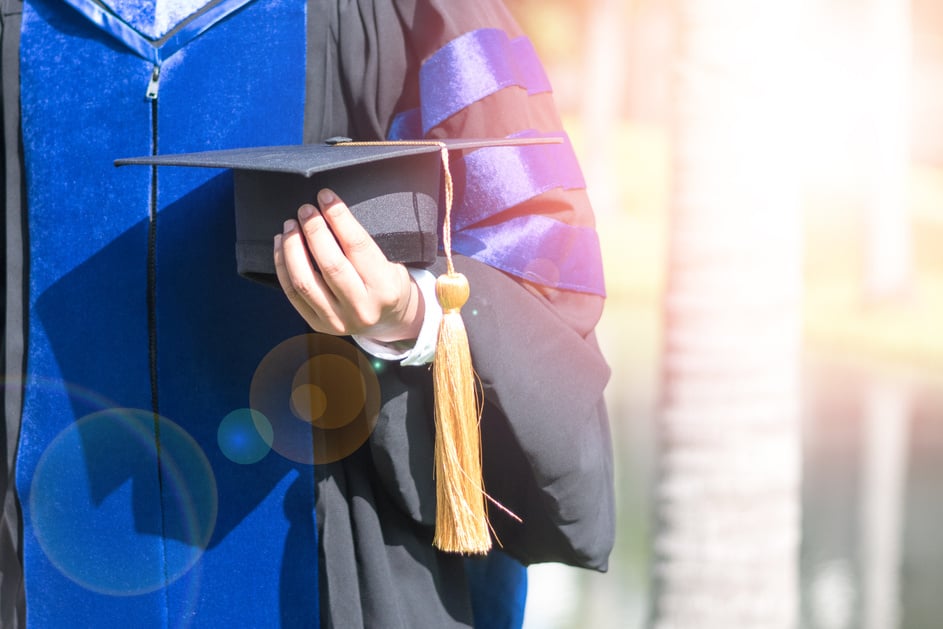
(123, 502)
(331, 389)
(245, 436)
(320, 394)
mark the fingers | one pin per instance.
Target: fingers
(327, 248)
(338, 278)
(301, 283)
(314, 271)
(356, 246)
(353, 266)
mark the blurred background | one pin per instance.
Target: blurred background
(768, 182)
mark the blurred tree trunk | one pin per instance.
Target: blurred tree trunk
(727, 493)
(888, 259)
(888, 274)
(887, 410)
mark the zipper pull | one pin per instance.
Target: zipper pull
(153, 84)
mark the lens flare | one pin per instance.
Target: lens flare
(320, 375)
(321, 395)
(123, 502)
(245, 436)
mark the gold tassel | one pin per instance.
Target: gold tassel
(461, 521)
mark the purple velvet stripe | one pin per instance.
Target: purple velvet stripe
(531, 70)
(570, 175)
(538, 249)
(500, 177)
(473, 66)
(407, 125)
(141, 45)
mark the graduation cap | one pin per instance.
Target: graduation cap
(392, 188)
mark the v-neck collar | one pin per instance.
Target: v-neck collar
(156, 33)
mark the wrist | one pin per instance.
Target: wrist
(421, 349)
(410, 321)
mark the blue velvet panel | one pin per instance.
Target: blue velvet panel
(131, 519)
(498, 585)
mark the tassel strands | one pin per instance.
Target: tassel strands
(461, 519)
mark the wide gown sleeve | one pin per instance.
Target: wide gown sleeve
(546, 442)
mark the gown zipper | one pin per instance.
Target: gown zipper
(152, 246)
(152, 85)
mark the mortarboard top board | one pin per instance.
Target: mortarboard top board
(392, 188)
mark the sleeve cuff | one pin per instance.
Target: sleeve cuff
(423, 351)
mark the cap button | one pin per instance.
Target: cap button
(337, 139)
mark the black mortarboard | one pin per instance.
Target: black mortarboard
(392, 189)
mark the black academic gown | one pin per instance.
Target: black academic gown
(546, 446)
